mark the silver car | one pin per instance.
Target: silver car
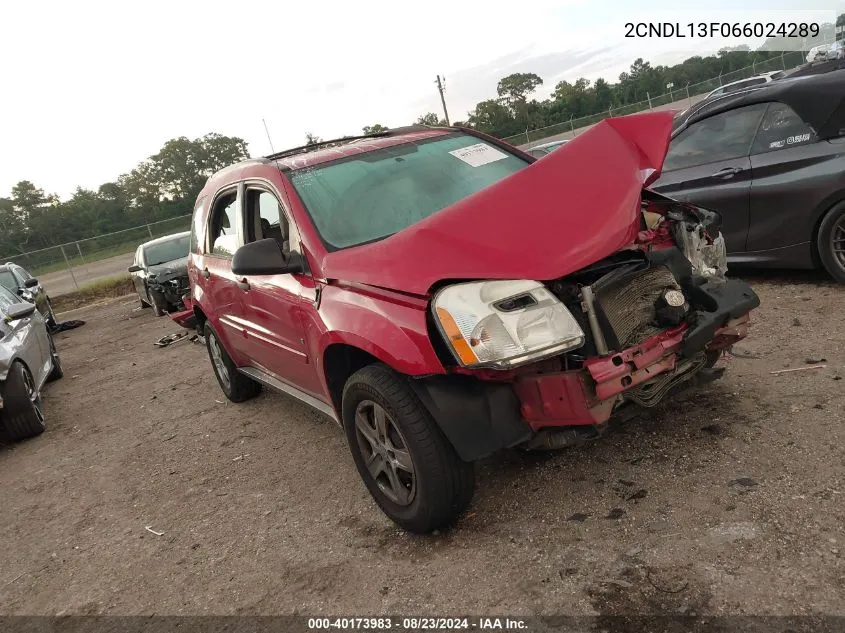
(28, 359)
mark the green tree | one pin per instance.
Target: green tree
(430, 118)
(516, 87)
(312, 139)
(377, 128)
(493, 117)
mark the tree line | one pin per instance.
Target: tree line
(166, 184)
(163, 186)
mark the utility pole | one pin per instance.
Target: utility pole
(442, 98)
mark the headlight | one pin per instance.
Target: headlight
(503, 324)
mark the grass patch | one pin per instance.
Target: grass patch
(108, 288)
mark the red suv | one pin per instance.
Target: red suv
(442, 296)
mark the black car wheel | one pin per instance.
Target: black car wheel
(234, 384)
(22, 414)
(407, 464)
(831, 242)
(57, 371)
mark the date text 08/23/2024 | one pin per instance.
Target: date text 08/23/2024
(646, 30)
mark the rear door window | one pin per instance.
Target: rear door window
(781, 128)
(223, 225)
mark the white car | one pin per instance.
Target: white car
(756, 80)
(538, 151)
(817, 53)
(835, 51)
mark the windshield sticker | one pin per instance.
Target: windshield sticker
(478, 154)
(777, 144)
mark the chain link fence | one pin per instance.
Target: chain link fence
(67, 267)
(681, 96)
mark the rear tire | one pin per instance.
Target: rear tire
(236, 387)
(830, 238)
(389, 429)
(22, 414)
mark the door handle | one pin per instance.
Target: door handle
(206, 273)
(727, 172)
(243, 284)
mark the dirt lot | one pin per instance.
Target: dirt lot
(727, 500)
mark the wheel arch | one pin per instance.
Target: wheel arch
(340, 360)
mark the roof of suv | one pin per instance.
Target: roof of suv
(326, 151)
(299, 158)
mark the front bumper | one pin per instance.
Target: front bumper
(588, 395)
(480, 417)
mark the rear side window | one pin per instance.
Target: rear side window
(781, 128)
(719, 137)
(223, 225)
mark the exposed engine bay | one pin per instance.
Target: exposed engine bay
(656, 319)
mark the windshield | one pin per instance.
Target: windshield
(369, 196)
(162, 252)
(7, 280)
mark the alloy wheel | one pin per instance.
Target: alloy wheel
(385, 452)
(217, 359)
(837, 242)
(32, 394)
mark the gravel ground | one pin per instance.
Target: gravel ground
(727, 500)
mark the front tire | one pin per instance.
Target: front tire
(411, 470)
(831, 242)
(22, 414)
(158, 303)
(236, 387)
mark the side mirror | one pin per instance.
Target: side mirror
(30, 283)
(135, 268)
(18, 311)
(265, 257)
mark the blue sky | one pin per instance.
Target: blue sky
(91, 87)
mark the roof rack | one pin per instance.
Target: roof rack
(346, 139)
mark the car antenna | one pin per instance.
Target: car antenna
(272, 150)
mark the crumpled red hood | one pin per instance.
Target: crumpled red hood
(562, 213)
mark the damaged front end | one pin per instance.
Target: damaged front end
(546, 365)
(170, 285)
(657, 317)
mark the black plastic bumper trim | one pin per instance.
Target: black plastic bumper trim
(477, 417)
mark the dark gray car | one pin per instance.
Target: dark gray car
(28, 359)
(771, 161)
